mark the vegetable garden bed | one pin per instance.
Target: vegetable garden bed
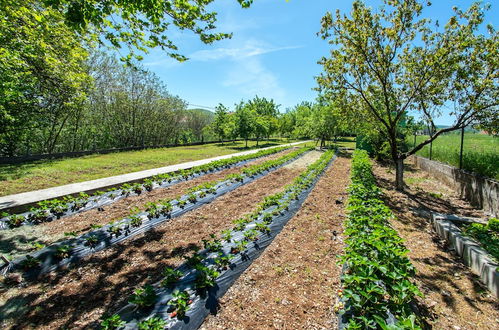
(79, 296)
(293, 283)
(72, 250)
(34, 237)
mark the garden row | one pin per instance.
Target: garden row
(101, 283)
(377, 288)
(56, 208)
(139, 221)
(185, 295)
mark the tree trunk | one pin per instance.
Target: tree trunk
(257, 139)
(399, 174)
(246, 143)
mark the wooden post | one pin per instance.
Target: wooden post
(461, 152)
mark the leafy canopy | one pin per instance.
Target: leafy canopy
(140, 24)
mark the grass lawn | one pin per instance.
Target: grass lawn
(480, 152)
(50, 173)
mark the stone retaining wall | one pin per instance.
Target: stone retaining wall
(481, 192)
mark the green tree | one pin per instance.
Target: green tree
(392, 61)
(220, 122)
(139, 24)
(43, 82)
(244, 121)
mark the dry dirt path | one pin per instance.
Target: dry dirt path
(454, 297)
(293, 283)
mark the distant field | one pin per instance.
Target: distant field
(480, 152)
(50, 173)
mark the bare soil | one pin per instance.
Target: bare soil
(103, 282)
(293, 284)
(454, 297)
(17, 242)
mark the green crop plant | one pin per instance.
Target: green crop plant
(171, 277)
(144, 297)
(154, 323)
(112, 322)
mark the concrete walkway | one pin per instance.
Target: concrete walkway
(31, 197)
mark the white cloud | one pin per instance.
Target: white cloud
(249, 49)
(251, 77)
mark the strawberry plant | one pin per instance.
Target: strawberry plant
(239, 247)
(192, 198)
(379, 272)
(126, 189)
(240, 224)
(267, 218)
(37, 246)
(112, 322)
(223, 261)
(114, 229)
(70, 234)
(263, 228)
(15, 221)
(166, 207)
(179, 304)
(250, 235)
(212, 245)
(154, 323)
(148, 184)
(91, 241)
(30, 262)
(39, 215)
(194, 260)
(205, 277)
(153, 210)
(63, 251)
(202, 194)
(144, 297)
(227, 235)
(94, 226)
(182, 203)
(135, 220)
(171, 277)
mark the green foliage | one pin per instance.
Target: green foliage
(63, 251)
(388, 61)
(180, 303)
(205, 277)
(171, 277)
(480, 152)
(144, 297)
(113, 322)
(378, 272)
(42, 78)
(154, 323)
(487, 235)
(30, 262)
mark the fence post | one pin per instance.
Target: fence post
(461, 152)
(431, 142)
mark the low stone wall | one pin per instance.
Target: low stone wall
(481, 192)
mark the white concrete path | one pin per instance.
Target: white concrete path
(31, 197)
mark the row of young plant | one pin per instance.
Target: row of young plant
(185, 285)
(377, 289)
(138, 221)
(56, 208)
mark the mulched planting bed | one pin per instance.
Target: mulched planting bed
(19, 241)
(78, 297)
(293, 283)
(454, 297)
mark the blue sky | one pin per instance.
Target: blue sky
(273, 53)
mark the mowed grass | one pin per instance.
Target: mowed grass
(480, 152)
(36, 175)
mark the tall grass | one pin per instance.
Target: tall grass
(480, 152)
